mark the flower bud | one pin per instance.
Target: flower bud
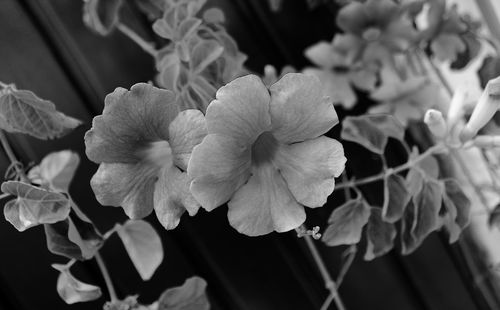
(486, 141)
(488, 104)
(436, 123)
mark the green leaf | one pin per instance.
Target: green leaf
(396, 197)
(72, 290)
(101, 15)
(143, 246)
(489, 70)
(379, 235)
(169, 68)
(346, 223)
(214, 16)
(190, 296)
(56, 170)
(204, 53)
(372, 131)
(73, 238)
(494, 218)
(187, 27)
(22, 111)
(447, 47)
(454, 195)
(33, 205)
(414, 181)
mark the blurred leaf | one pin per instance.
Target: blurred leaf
(414, 181)
(430, 166)
(204, 53)
(22, 111)
(187, 27)
(489, 70)
(455, 197)
(33, 205)
(169, 68)
(214, 16)
(473, 47)
(73, 238)
(379, 234)
(447, 47)
(143, 246)
(101, 15)
(372, 131)
(56, 170)
(408, 241)
(190, 296)
(396, 197)
(72, 290)
(346, 223)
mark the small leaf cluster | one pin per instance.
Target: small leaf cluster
(415, 204)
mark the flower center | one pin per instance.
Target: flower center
(371, 34)
(158, 153)
(264, 148)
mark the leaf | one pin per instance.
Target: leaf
(396, 197)
(429, 166)
(214, 16)
(22, 111)
(346, 223)
(473, 47)
(204, 53)
(33, 205)
(190, 296)
(489, 70)
(187, 27)
(372, 131)
(143, 246)
(169, 69)
(83, 243)
(101, 15)
(380, 235)
(72, 290)
(424, 215)
(454, 195)
(56, 170)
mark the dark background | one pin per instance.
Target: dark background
(45, 47)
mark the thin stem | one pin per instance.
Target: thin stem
(329, 282)
(146, 46)
(12, 157)
(3, 85)
(430, 151)
(107, 278)
(351, 254)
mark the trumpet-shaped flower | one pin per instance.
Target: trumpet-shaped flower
(143, 144)
(376, 29)
(265, 153)
(336, 72)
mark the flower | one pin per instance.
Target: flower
(376, 29)
(266, 154)
(143, 144)
(336, 72)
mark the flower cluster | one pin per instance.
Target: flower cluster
(261, 149)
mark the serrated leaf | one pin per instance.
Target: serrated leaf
(73, 238)
(22, 111)
(372, 131)
(101, 15)
(489, 70)
(396, 197)
(143, 246)
(56, 170)
(72, 290)
(204, 53)
(190, 296)
(346, 223)
(379, 235)
(33, 206)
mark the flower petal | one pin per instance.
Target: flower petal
(321, 54)
(309, 169)
(218, 167)
(186, 131)
(240, 110)
(129, 122)
(172, 197)
(352, 18)
(130, 186)
(299, 111)
(264, 204)
(336, 86)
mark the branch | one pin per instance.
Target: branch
(146, 46)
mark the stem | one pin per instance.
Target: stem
(430, 151)
(329, 282)
(12, 157)
(490, 17)
(3, 85)
(146, 46)
(107, 278)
